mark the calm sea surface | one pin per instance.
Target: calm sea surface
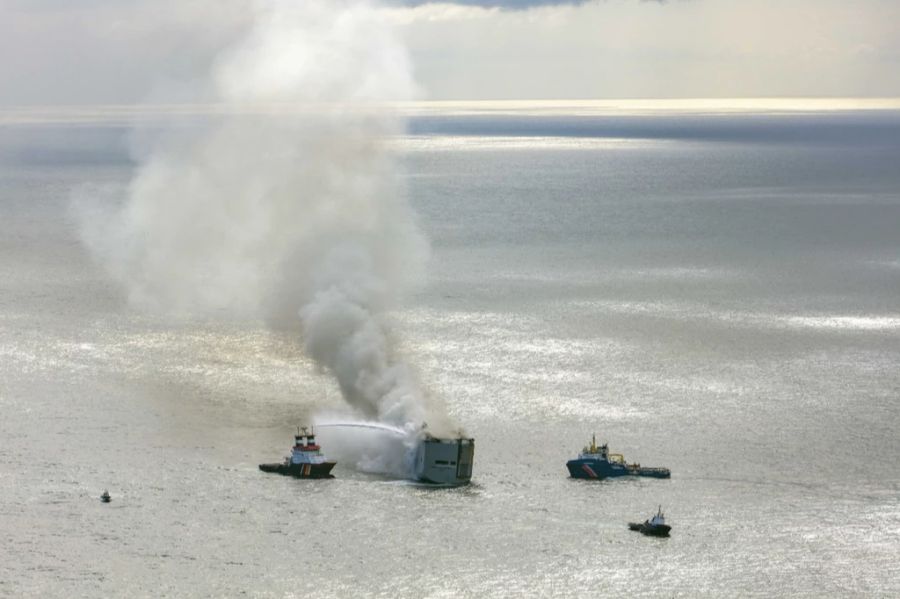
(715, 293)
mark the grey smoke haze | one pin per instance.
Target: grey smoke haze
(295, 217)
(507, 4)
(54, 52)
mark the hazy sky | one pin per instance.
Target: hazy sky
(124, 51)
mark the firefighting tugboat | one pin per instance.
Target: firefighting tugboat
(655, 526)
(306, 459)
(597, 463)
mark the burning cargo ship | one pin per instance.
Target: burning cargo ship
(444, 461)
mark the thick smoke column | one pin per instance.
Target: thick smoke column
(286, 205)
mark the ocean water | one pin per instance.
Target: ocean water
(715, 292)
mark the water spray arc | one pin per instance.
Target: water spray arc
(369, 425)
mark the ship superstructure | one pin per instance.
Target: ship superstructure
(595, 462)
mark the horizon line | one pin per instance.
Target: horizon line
(110, 112)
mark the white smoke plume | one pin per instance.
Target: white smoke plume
(286, 204)
(373, 448)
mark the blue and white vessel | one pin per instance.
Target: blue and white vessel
(595, 462)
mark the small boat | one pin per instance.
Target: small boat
(596, 462)
(306, 459)
(106, 497)
(655, 526)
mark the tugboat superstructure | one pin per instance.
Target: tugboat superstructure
(306, 459)
(595, 462)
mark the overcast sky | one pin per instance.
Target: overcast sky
(124, 51)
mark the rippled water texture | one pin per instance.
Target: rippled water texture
(715, 293)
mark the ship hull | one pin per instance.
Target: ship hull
(450, 481)
(653, 530)
(322, 470)
(598, 470)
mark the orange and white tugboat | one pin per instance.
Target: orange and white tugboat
(306, 459)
